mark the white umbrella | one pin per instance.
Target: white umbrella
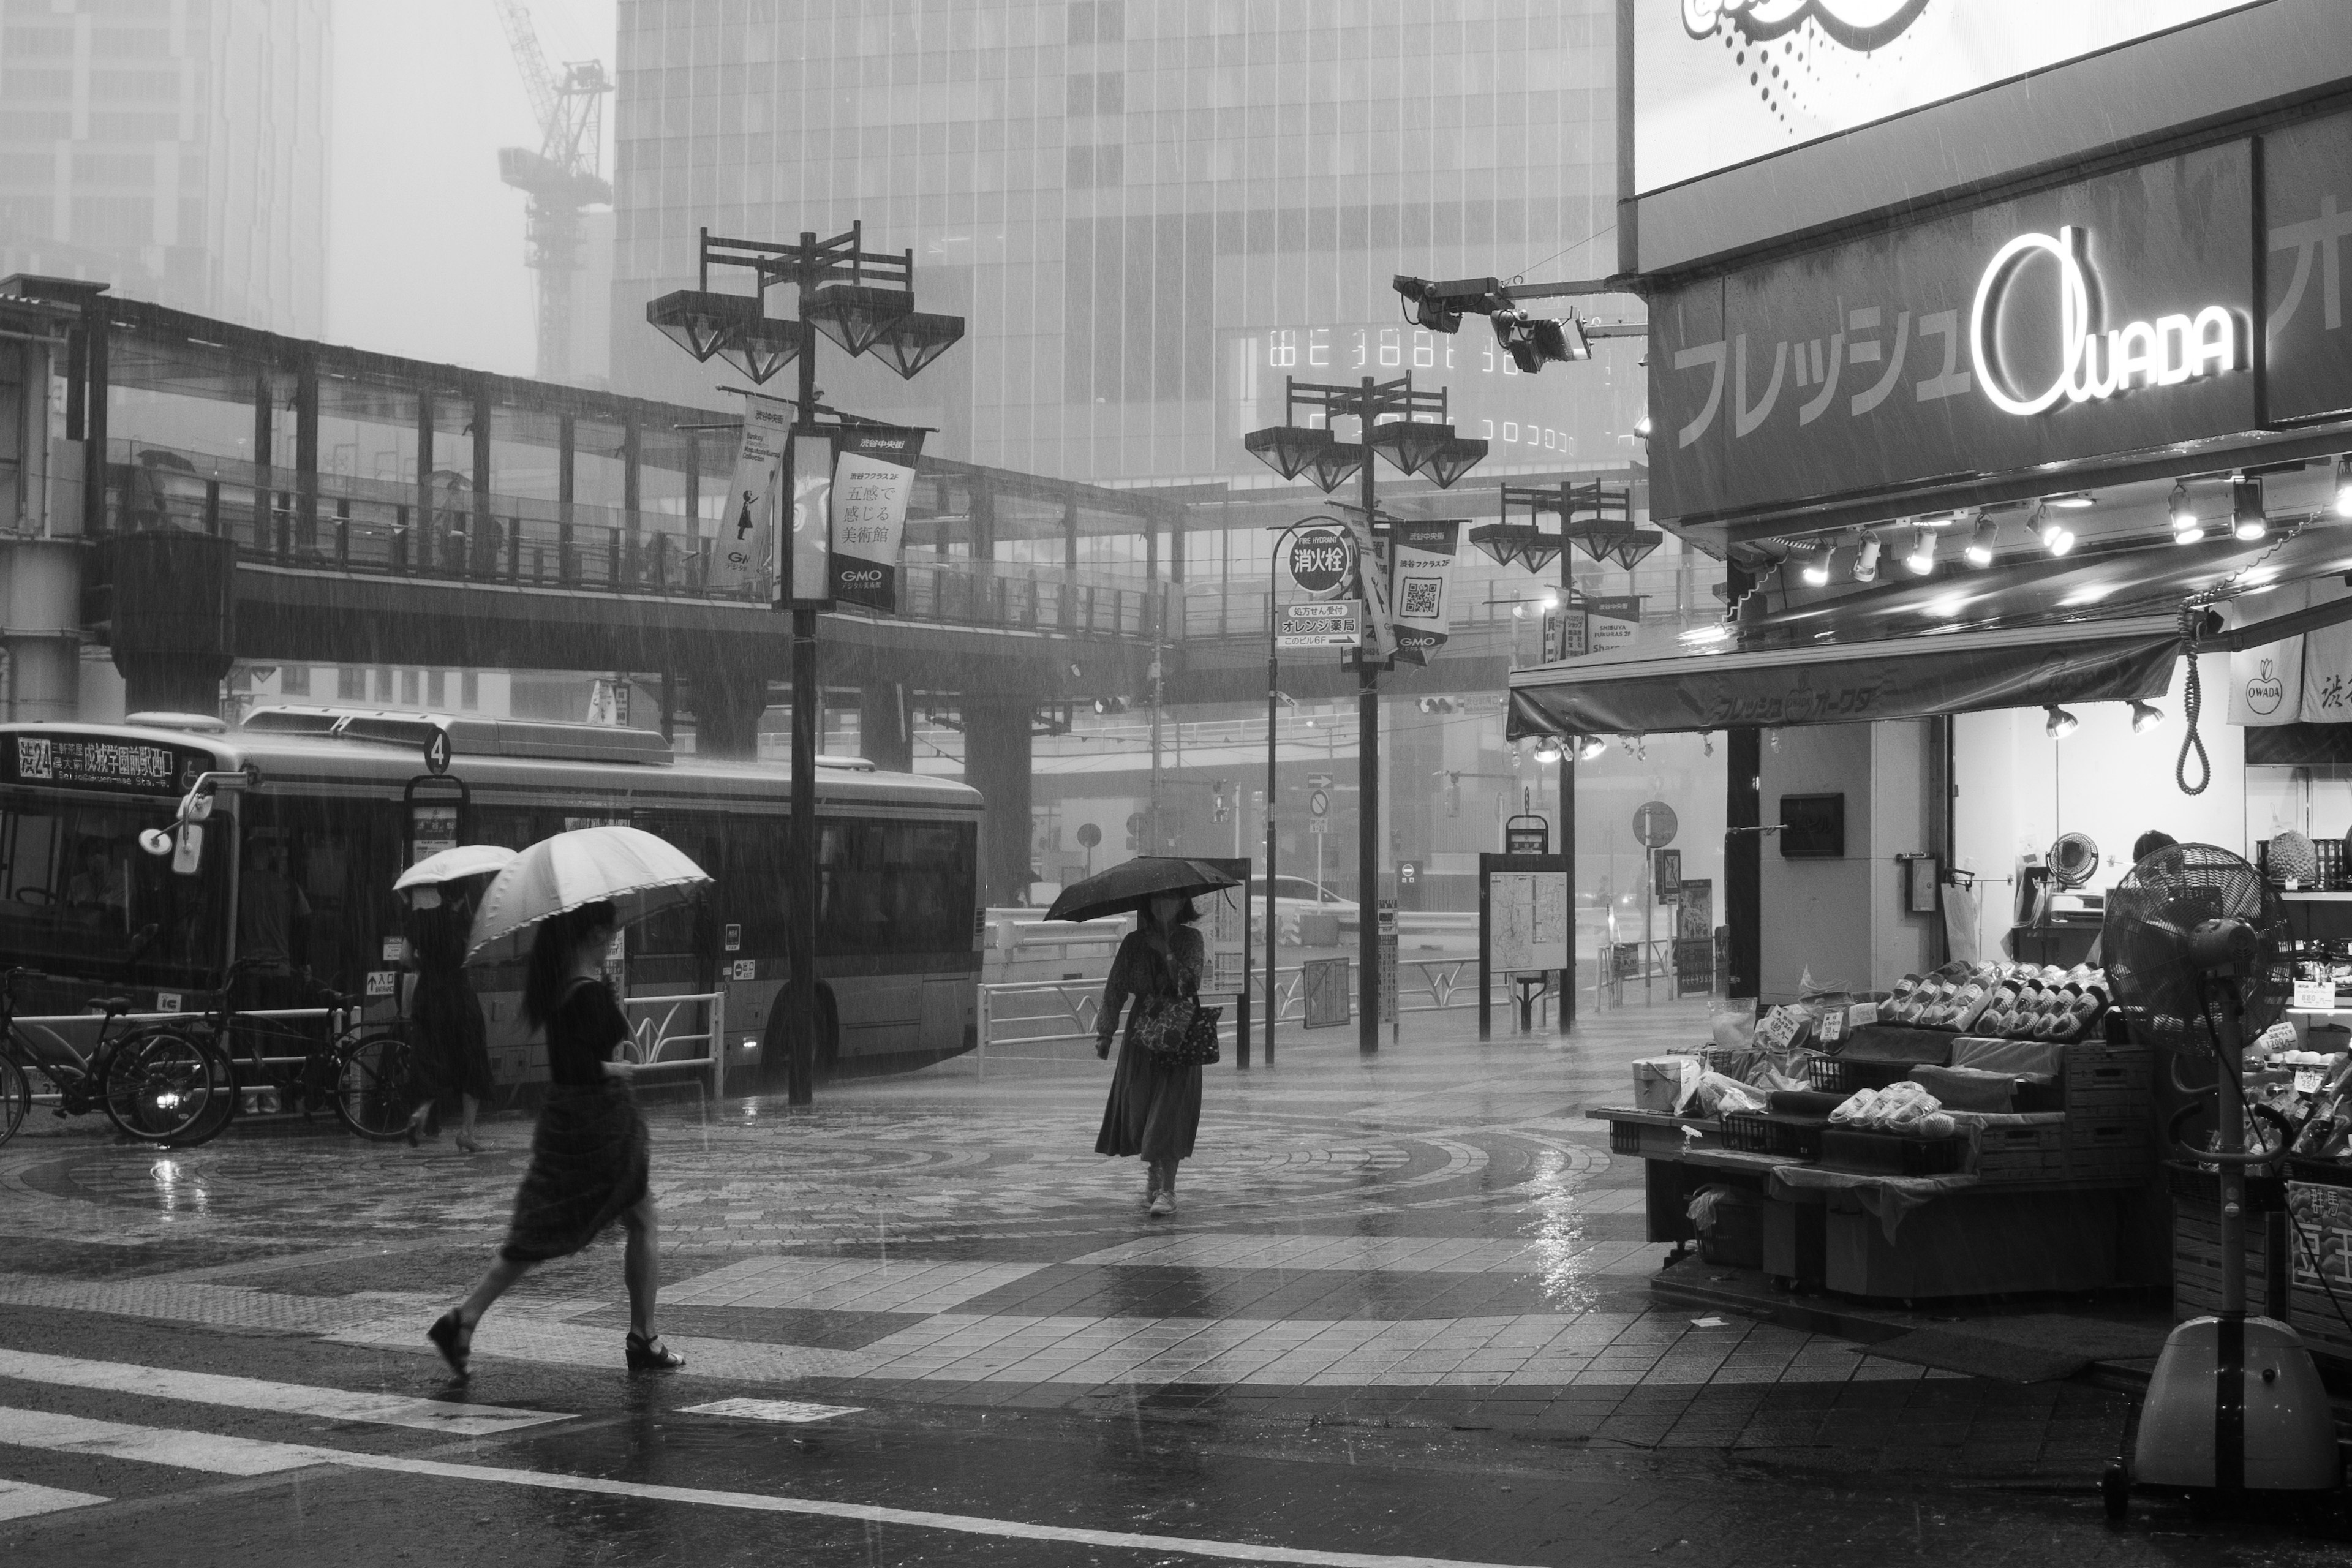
(625, 866)
(455, 865)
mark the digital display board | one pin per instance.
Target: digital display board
(1719, 82)
(1579, 413)
(85, 762)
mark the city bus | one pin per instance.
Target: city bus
(295, 869)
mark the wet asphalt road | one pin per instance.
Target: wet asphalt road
(917, 1258)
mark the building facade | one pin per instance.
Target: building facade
(174, 150)
(1149, 211)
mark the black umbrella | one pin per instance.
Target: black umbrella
(1135, 884)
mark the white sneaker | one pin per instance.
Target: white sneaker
(1162, 1206)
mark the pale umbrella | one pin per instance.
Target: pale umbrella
(454, 865)
(630, 869)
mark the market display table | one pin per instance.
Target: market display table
(1862, 1233)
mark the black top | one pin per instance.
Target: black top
(581, 1036)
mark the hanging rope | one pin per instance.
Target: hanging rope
(2192, 700)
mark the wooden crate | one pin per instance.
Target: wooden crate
(2197, 1261)
(2036, 1152)
(2107, 1151)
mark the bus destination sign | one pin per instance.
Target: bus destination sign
(87, 763)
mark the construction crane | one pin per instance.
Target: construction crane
(561, 178)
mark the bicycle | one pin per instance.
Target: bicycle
(369, 1078)
(155, 1085)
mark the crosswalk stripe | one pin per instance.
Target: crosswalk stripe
(285, 1398)
(770, 1409)
(22, 1499)
(217, 1454)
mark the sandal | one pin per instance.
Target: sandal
(453, 1338)
(652, 1355)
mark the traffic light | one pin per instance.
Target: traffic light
(1439, 705)
(1223, 808)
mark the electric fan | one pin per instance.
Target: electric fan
(2194, 947)
(2073, 859)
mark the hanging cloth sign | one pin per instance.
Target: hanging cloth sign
(746, 549)
(1421, 567)
(872, 478)
(1372, 578)
(2266, 682)
(808, 578)
(2326, 663)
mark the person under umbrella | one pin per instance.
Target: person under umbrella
(452, 1053)
(588, 1152)
(1153, 1110)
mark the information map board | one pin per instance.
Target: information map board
(1527, 925)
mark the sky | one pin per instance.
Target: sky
(425, 244)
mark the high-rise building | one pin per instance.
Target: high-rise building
(176, 150)
(1149, 211)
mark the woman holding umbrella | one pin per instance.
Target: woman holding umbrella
(453, 1050)
(589, 1155)
(1154, 1109)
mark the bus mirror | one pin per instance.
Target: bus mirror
(156, 842)
(199, 807)
(189, 856)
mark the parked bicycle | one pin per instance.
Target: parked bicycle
(299, 1059)
(156, 1084)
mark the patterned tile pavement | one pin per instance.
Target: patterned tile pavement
(1432, 1236)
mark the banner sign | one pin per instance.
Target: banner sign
(2307, 203)
(1421, 568)
(873, 477)
(808, 576)
(1614, 619)
(2111, 315)
(1379, 640)
(1707, 694)
(746, 550)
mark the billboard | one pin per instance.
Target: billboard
(1719, 82)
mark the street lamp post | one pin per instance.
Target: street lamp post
(1411, 429)
(865, 301)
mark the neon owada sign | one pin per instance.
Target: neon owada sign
(2096, 364)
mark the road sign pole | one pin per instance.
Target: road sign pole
(1272, 695)
(1367, 775)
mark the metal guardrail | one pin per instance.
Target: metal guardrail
(648, 1038)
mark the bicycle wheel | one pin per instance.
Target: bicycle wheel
(166, 1087)
(15, 1099)
(375, 1087)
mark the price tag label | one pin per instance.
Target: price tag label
(2314, 996)
(2307, 1080)
(1833, 1027)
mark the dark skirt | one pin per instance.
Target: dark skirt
(1154, 1111)
(588, 1164)
(453, 1045)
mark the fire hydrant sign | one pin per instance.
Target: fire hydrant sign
(746, 550)
(1328, 623)
(872, 478)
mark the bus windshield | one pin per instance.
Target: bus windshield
(79, 896)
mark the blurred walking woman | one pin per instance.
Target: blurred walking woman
(453, 1047)
(1155, 1107)
(588, 1153)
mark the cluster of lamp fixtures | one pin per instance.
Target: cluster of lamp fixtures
(1584, 748)
(2060, 723)
(737, 328)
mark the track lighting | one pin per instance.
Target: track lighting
(2187, 527)
(1922, 559)
(2055, 536)
(2146, 716)
(1865, 563)
(2248, 518)
(2343, 486)
(2061, 723)
(1817, 568)
(1548, 750)
(1980, 543)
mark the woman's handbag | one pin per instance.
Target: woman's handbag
(1177, 1031)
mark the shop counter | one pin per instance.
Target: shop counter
(1862, 1233)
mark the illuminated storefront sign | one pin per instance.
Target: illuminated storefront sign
(2164, 353)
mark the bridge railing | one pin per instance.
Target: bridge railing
(448, 532)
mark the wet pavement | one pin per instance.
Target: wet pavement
(1402, 1316)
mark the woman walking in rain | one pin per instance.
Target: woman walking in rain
(453, 1047)
(1154, 1109)
(588, 1153)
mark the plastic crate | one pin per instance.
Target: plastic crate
(1843, 1074)
(1764, 1132)
(2034, 1153)
(1625, 1138)
(1892, 1154)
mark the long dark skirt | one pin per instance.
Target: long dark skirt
(1153, 1110)
(453, 1046)
(588, 1164)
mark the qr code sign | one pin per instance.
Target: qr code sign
(1421, 598)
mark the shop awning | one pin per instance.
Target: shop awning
(1906, 678)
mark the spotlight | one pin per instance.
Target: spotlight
(1551, 600)
(2074, 498)
(1922, 559)
(1865, 563)
(1642, 432)
(2187, 527)
(2343, 483)
(2061, 723)
(2248, 520)
(1589, 747)
(1980, 544)
(2146, 716)
(2055, 536)
(1817, 568)
(1548, 750)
